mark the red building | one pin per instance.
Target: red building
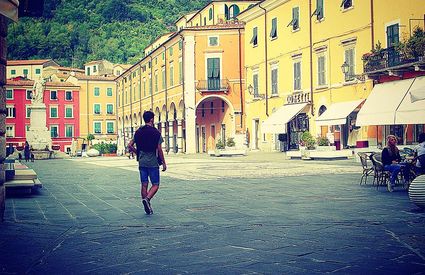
(62, 112)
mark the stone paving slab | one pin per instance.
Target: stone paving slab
(87, 218)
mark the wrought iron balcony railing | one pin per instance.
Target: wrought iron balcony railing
(213, 85)
(385, 59)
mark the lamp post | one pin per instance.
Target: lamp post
(345, 68)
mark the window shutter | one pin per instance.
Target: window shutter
(226, 12)
(254, 36)
(295, 16)
(210, 67)
(319, 11)
(273, 32)
(14, 112)
(255, 82)
(216, 67)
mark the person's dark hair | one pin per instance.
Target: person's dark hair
(421, 137)
(147, 116)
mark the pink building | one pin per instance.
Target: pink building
(62, 112)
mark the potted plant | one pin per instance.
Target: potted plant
(307, 142)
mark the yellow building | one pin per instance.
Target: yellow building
(294, 54)
(98, 108)
(30, 69)
(192, 80)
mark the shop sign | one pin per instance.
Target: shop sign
(296, 98)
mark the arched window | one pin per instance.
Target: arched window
(210, 14)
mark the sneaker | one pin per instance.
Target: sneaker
(389, 186)
(147, 206)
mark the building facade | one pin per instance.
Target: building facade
(98, 108)
(30, 69)
(304, 59)
(62, 112)
(193, 80)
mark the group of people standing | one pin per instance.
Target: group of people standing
(28, 154)
(393, 162)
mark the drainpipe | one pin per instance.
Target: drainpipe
(117, 108)
(240, 75)
(182, 72)
(140, 91)
(151, 84)
(88, 108)
(131, 104)
(266, 58)
(166, 99)
(213, 14)
(372, 24)
(311, 59)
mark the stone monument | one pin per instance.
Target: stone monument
(38, 136)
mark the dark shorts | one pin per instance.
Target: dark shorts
(151, 173)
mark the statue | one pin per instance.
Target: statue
(37, 91)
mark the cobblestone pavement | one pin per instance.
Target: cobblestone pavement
(259, 214)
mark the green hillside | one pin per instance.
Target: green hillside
(75, 32)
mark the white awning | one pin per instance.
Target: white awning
(276, 123)
(381, 105)
(337, 113)
(413, 112)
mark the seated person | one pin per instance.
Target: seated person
(420, 155)
(392, 162)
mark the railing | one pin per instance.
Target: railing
(385, 59)
(213, 85)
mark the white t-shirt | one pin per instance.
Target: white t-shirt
(420, 150)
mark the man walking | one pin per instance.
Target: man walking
(149, 152)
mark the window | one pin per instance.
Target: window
(254, 39)
(37, 71)
(97, 127)
(13, 72)
(297, 75)
(171, 75)
(171, 51)
(110, 127)
(163, 79)
(210, 14)
(29, 95)
(213, 41)
(222, 106)
(212, 107)
(25, 72)
(156, 81)
(345, 4)
(9, 94)
(163, 56)
(255, 83)
(11, 111)
(96, 91)
(205, 21)
(27, 111)
(295, 19)
(54, 131)
(94, 68)
(392, 35)
(319, 10)
(68, 95)
(69, 131)
(213, 73)
(273, 32)
(349, 59)
(321, 70)
(53, 111)
(10, 130)
(53, 95)
(274, 76)
(233, 11)
(69, 111)
(180, 45)
(203, 109)
(144, 86)
(96, 109)
(110, 109)
(150, 84)
(180, 71)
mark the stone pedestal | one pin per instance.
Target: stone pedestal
(38, 136)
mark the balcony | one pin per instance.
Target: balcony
(213, 85)
(389, 59)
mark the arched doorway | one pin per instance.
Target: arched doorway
(214, 123)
